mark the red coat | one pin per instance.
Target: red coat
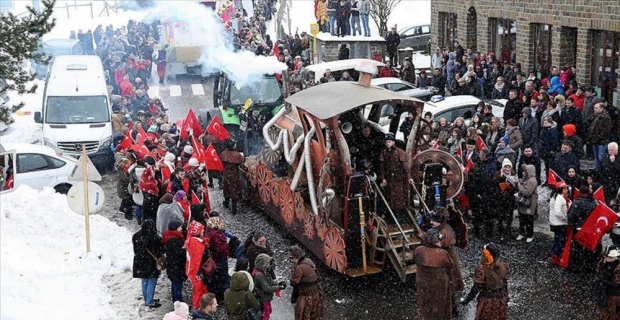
(385, 72)
(579, 101)
(127, 89)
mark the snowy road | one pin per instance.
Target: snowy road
(537, 289)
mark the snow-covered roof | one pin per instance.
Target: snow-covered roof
(324, 36)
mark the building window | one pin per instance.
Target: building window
(541, 36)
(447, 29)
(504, 39)
(605, 63)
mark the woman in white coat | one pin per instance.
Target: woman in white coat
(558, 209)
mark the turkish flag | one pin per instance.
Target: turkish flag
(199, 150)
(576, 193)
(565, 257)
(140, 149)
(205, 196)
(553, 178)
(480, 143)
(125, 144)
(190, 124)
(216, 128)
(600, 221)
(599, 195)
(468, 166)
(459, 152)
(435, 145)
(142, 136)
(195, 199)
(212, 160)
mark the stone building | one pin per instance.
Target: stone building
(328, 46)
(583, 33)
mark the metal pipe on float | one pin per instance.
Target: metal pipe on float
(297, 175)
(309, 175)
(282, 136)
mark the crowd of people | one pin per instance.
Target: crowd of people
(163, 184)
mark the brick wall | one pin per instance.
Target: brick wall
(585, 15)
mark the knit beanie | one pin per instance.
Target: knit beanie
(506, 140)
(181, 308)
(506, 162)
(569, 130)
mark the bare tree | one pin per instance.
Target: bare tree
(380, 13)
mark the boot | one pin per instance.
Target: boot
(234, 207)
(226, 202)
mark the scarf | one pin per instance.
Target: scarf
(499, 87)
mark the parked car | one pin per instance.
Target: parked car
(36, 166)
(404, 87)
(415, 36)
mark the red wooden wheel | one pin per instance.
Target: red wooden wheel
(263, 177)
(334, 250)
(300, 207)
(287, 202)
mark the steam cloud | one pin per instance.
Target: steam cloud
(217, 52)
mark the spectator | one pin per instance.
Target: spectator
(392, 41)
(364, 13)
(529, 128)
(599, 132)
(387, 71)
(565, 158)
(176, 257)
(608, 172)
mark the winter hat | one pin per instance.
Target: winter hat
(193, 162)
(433, 236)
(188, 149)
(505, 140)
(569, 130)
(506, 162)
(169, 157)
(527, 110)
(167, 198)
(180, 195)
(181, 308)
(174, 225)
(471, 142)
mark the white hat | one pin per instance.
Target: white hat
(181, 308)
(613, 253)
(188, 149)
(506, 162)
(169, 157)
(193, 162)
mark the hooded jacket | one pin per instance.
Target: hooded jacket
(600, 128)
(176, 256)
(265, 284)
(558, 210)
(529, 189)
(146, 242)
(556, 86)
(238, 298)
(166, 213)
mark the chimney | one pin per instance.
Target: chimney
(367, 69)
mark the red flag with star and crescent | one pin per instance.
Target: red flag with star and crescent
(199, 151)
(599, 195)
(213, 161)
(190, 124)
(553, 178)
(480, 143)
(600, 221)
(216, 128)
(459, 152)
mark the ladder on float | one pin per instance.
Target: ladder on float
(396, 242)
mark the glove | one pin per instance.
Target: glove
(282, 285)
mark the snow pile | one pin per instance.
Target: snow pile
(45, 270)
(24, 129)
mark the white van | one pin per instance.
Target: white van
(77, 109)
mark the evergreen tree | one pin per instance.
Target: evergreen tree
(20, 38)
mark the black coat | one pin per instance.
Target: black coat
(122, 185)
(392, 41)
(563, 161)
(609, 176)
(176, 256)
(580, 211)
(145, 265)
(529, 131)
(512, 110)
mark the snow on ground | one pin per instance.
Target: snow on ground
(45, 270)
(24, 129)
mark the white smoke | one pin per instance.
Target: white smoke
(217, 52)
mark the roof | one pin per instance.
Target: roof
(60, 42)
(454, 101)
(27, 147)
(333, 98)
(339, 65)
(380, 81)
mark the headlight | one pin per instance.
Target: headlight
(106, 143)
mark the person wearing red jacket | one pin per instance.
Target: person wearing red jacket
(150, 189)
(127, 89)
(196, 244)
(579, 98)
(387, 71)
